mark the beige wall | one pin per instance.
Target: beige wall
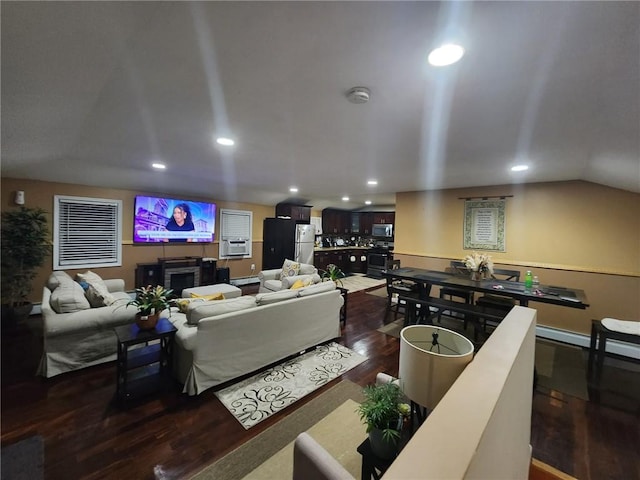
(40, 194)
(575, 234)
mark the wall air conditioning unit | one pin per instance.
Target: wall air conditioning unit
(237, 248)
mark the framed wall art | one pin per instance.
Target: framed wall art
(484, 225)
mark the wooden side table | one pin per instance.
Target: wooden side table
(144, 360)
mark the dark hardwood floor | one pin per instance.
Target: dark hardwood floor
(173, 436)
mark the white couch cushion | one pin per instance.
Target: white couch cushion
(274, 297)
(316, 288)
(97, 292)
(68, 298)
(307, 269)
(198, 311)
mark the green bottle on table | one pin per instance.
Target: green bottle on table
(528, 281)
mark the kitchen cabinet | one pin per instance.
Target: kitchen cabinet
(355, 222)
(384, 217)
(336, 221)
(299, 213)
(321, 260)
(366, 220)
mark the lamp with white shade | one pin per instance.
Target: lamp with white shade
(431, 359)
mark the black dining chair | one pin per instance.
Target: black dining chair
(496, 301)
(397, 288)
(456, 268)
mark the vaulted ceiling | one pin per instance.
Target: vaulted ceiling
(94, 92)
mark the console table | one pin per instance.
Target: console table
(144, 360)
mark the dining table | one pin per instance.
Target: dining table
(553, 294)
(425, 279)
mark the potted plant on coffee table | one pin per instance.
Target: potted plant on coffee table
(25, 246)
(151, 301)
(383, 411)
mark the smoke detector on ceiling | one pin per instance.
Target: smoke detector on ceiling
(358, 95)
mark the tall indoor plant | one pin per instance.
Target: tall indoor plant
(25, 246)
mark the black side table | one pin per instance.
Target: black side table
(144, 360)
(372, 465)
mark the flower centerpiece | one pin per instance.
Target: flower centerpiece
(479, 265)
(151, 301)
(332, 273)
(383, 412)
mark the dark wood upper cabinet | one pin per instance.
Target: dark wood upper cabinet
(299, 213)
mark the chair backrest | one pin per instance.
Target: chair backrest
(457, 268)
(509, 275)
(312, 462)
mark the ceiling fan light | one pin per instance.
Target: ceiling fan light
(446, 55)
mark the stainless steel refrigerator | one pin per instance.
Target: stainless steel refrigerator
(284, 239)
(304, 243)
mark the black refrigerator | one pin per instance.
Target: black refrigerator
(278, 242)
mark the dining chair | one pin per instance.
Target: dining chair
(456, 268)
(499, 302)
(396, 288)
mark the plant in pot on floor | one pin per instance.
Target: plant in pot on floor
(151, 301)
(25, 246)
(332, 273)
(383, 411)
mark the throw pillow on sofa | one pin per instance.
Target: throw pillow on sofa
(198, 311)
(289, 269)
(68, 298)
(183, 303)
(307, 280)
(57, 278)
(97, 292)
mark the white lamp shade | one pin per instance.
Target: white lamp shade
(425, 374)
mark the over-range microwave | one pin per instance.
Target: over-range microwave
(382, 230)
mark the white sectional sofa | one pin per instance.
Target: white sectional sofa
(221, 340)
(75, 333)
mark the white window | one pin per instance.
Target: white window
(235, 233)
(87, 232)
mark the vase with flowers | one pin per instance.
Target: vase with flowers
(479, 265)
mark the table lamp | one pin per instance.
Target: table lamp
(431, 359)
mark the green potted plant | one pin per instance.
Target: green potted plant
(25, 246)
(151, 301)
(332, 273)
(383, 412)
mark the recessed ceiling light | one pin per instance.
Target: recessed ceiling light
(227, 142)
(345, 199)
(446, 55)
(519, 168)
(372, 182)
(159, 166)
(367, 202)
(293, 189)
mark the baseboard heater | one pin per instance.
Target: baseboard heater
(244, 281)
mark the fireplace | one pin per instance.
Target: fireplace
(179, 278)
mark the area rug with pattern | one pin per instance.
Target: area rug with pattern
(358, 281)
(265, 455)
(260, 396)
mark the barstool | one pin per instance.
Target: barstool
(601, 331)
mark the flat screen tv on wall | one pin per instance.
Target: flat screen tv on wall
(159, 219)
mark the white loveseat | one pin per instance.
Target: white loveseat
(271, 281)
(75, 334)
(221, 340)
